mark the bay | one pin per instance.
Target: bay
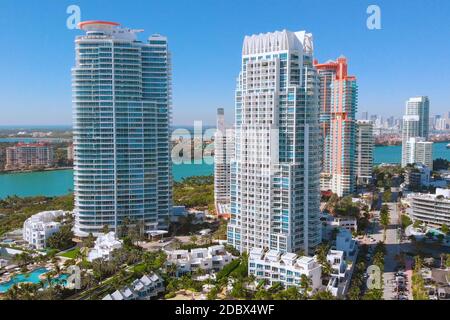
(60, 182)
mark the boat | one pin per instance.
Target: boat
(448, 146)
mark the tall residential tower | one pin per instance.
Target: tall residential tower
(275, 194)
(415, 125)
(364, 151)
(122, 111)
(338, 103)
(223, 153)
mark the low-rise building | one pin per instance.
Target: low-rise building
(209, 259)
(342, 259)
(417, 176)
(39, 227)
(177, 213)
(104, 246)
(432, 209)
(330, 223)
(285, 268)
(145, 288)
(346, 243)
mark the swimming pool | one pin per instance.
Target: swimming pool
(32, 277)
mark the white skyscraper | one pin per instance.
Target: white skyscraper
(122, 106)
(364, 151)
(275, 192)
(415, 125)
(420, 106)
(419, 151)
(223, 153)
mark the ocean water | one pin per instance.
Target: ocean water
(60, 182)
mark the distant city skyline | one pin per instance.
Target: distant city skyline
(390, 63)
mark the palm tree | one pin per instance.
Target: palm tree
(323, 295)
(193, 239)
(171, 269)
(305, 285)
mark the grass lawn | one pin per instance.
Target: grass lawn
(70, 254)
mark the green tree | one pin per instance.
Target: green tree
(323, 295)
(62, 239)
(445, 229)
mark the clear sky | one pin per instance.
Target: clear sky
(409, 56)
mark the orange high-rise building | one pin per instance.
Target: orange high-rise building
(338, 103)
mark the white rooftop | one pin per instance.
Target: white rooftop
(277, 41)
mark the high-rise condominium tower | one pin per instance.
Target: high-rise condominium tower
(417, 150)
(364, 151)
(338, 103)
(275, 175)
(223, 153)
(121, 103)
(420, 106)
(415, 124)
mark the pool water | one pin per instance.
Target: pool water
(32, 277)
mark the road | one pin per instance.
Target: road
(393, 249)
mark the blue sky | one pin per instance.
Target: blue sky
(409, 56)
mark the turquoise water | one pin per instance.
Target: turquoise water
(32, 277)
(57, 183)
(393, 154)
(60, 182)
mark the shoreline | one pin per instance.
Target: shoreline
(399, 144)
(31, 171)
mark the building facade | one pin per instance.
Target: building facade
(420, 106)
(122, 115)
(285, 268)
(28, 156)
(364, 151)
(39, 227)
(432, 209)
(416, 122)
(209, 259)
(338, 104)
(275, 192)
(145, 288)
(223, 153)
(417, 150)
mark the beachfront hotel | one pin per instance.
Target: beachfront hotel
(122, 113)
(338, 103)
(275, 173)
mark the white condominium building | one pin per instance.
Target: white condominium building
(122, 114)
(104, 246)
(275, 192)
(285, 268)
(39, 227)
(145, 288)
(415, 125)
(209, 259)
(433, 209)
(420, 106)
(364, 151)
(417, 150)
(223, 153)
